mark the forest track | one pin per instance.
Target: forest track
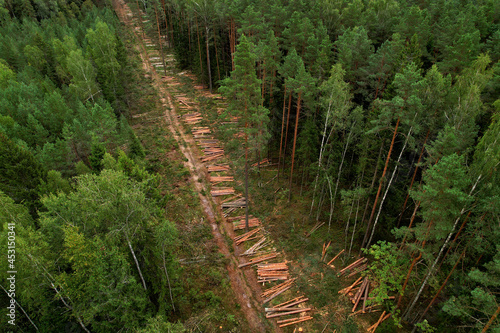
(243, 289)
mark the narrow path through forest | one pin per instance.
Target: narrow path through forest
(241, 282)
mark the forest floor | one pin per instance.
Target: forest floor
(243, 282)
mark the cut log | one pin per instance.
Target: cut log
(329, 263)
(297, 321)
(288, 313)
(291, 319)
(345, 291)
(257, 261)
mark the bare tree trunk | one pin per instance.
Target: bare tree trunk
(286, 131)
(282, 128)
(208, 59)
(388, 187)
(373, 181)
(199, 46)
(294, 144)
(431, 270)
(492, 319)
(413, 179)
(136, 262)
(380, 185)
(216, 54)
(321, 151)
(168, 278)
(442, 286)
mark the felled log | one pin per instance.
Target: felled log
(288, 313)
(221, 179)
(292, 302)
(383, 317)
(254, 248)
(212, 157)
(316, 227)
(239, 203)
(359, 294)
(357, 270)
(254, 222)
(353, 265)
(325, 248)
(257, 260)
(329, 263)
(345, 291)
(218, 167)
(277, 290)
(302, 319)
(220, 192)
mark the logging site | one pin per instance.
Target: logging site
(250, 166)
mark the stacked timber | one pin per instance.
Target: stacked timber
(289, 308)
(201, 132)
(252, 234)
(220, 179)
(212, 157)
(354, 268)
(272, 272)
(277, 290)
(256, 247)
(209, 143)
(256, 260)
(253, 222)
(192, 118)
(218, 167)
(239, 203)
(219, 191)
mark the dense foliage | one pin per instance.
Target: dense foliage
(389, 109)
(93, 247)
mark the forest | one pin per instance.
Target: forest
(381, 120)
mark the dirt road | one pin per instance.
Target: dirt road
(244, 291)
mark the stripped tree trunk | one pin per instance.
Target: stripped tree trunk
(136, 262)
(380, 184)
(413, 179)
(388, 187)
(294, 143)
(282, 128)
(431, 270)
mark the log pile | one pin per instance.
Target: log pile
(218, 167)
(256, 247)
(209, 143)
(272, 272)
(256, 260)
(219, 191)
(239, 203)
(220, 179)
(354, 268)
(253, 222)
(212, 157)
(246, 236)
(277, 290)
(200, 132)
(192, 118)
